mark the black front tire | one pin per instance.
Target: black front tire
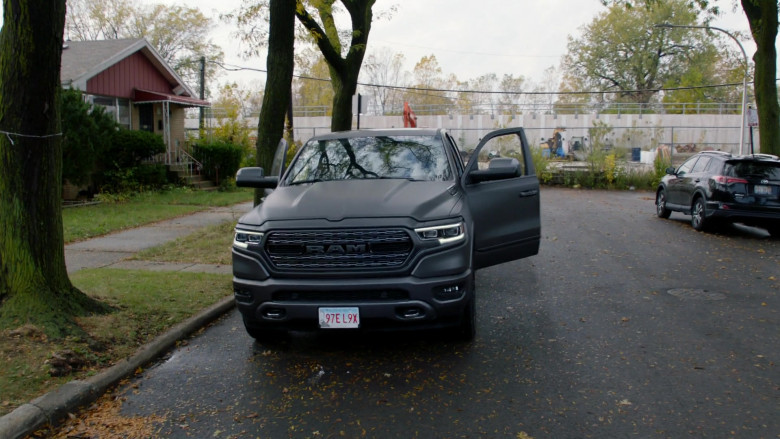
(660, 205)
(468, 326)
(265, 335)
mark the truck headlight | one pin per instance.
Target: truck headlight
(445, 234)
(243, 238)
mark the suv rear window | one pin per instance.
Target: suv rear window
(756, 169)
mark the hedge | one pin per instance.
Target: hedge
(219, 160)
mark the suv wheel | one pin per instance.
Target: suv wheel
(699, 215)
(660, 205)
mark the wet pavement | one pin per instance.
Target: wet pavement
(625, 325)
(112, 251)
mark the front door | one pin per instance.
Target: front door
(505, 211)
(146, 117)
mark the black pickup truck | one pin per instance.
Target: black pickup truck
(382, 229)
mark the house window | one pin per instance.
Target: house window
(123, 112)
(108, 104)
(118, 108)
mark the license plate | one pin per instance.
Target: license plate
(339, 317)
(760, 189)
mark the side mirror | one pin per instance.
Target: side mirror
(255, 177)
(670, 170)
(498, 169)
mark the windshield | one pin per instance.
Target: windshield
(407, 157)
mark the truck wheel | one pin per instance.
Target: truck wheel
(265, 335)
(468, 326)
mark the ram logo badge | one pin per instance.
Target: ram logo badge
(337, 249)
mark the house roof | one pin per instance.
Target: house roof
(83, 60)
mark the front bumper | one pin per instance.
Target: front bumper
(394, 302)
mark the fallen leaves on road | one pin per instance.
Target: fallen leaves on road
(103, 420)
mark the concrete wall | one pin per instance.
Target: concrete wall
(648, 131)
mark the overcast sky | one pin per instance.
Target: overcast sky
(469, 37)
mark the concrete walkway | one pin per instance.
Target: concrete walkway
(113, 251)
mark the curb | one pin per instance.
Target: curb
(52, 407)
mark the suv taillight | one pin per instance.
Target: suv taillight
(722, 179)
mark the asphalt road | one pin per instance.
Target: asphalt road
(624, 325)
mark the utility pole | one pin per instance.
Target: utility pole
(202, 90)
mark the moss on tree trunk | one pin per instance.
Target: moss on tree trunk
(34, 284)
(762, 16)
(280, 62)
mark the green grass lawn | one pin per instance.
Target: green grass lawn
(145, 305)
(81, 223)
(211, 245)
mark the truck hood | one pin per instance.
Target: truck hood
(341, 199)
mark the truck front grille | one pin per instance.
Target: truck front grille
(315, 250)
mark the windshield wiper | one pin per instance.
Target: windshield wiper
(385, 177)
(313, 180)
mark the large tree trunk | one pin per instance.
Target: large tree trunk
(762, 16)
(34, 284)
(344, 88)
(343, 70)
(270, 127)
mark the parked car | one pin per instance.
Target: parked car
(716, 187)
(381, 229)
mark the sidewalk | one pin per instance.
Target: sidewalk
(112, 251)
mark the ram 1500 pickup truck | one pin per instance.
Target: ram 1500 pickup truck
(382, 229)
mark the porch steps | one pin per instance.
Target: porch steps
(195, 180)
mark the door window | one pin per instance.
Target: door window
(509, 145)
(701, 165)
(687, 166)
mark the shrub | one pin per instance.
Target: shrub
(134, 179)
(122, 166)
(541, 166)
(129, 147)
(220, 160)
(86, 134)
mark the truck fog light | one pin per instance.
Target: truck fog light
(450, 292)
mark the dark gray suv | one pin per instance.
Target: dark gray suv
(382, 229)
(716, 187)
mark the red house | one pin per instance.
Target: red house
(132, 82)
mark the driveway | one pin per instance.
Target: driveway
(624, 325)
